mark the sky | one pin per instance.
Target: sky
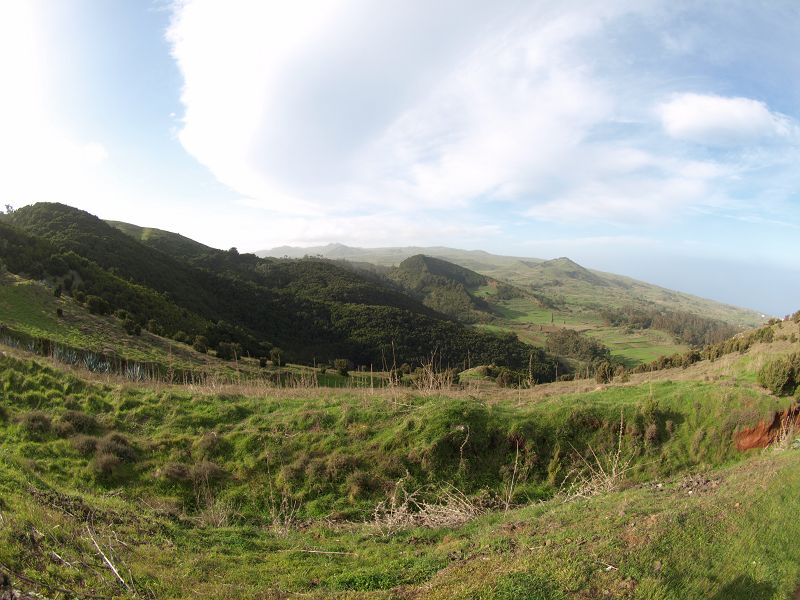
(655, 139)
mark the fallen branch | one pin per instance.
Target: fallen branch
(107, 561)
(321, 552)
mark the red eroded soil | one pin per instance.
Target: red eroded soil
(763, 434)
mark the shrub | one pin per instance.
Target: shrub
(182, 337)
(117, 445)
(57, 291)
(275, 355)
(3, 414)
(228, 350)
(80, 421)
(63, 429)
(84, 444)
(154, 327)
(131, 327)
(97, 306)
(604, 373)
(60, 312)
(208, 472)
(106, 465)
(176, 472)
(79, 296)
(36, 424)
(781, 375)
(342, 366)
(200, 344)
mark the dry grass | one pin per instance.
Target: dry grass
(404, 510)
(602, 474)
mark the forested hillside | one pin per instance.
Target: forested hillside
(312, 309)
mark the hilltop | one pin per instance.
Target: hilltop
(559, 280)
(309, 310)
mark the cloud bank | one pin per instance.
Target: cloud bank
(553, 112)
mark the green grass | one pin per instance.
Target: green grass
(532, 323)
(30, 308)
(326, 458)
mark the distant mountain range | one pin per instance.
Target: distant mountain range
(560, 281)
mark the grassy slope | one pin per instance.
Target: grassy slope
(335, 455)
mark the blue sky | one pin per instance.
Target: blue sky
(650, 138)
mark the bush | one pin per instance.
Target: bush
(781, 375)
(208, 472)
(200, 344)
(63, 429)
(85, 444)
(36, 424)
(182, 337)
(228, 350)
(131, 327)
(342, 366)
(106, 465)
(60, 312)
(117, 445)
(97, 306)
(276, 355)
(80, 421)
(176, 472)
(604, 373)
(3, 414)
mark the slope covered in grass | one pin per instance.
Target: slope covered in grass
(245, 491)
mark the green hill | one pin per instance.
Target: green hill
(314, 310)
(563, 280)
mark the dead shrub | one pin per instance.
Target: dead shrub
(450, 508)
(599, 474)
(209, 472)
(176, 472)
(85, 444)
(106, 465)
(63, 429)
(81, 422)
(36, 424)
(116, 444)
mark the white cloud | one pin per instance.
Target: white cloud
(711, 119)
(39, 160)
(328, 107)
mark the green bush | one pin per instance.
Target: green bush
(782, 375)
(97, 306)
